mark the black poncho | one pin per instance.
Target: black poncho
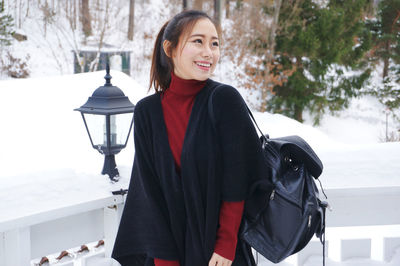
(175, 217)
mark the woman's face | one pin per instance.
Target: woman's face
(196, 56)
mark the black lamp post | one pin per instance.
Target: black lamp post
(108, 118)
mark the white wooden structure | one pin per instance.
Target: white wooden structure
(24, 240)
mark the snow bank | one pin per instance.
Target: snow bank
(40, 130)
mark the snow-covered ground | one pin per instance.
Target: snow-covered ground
(44, 142)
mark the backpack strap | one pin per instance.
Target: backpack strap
(323, 205)
(254, 120)
(211, 110)
(323, 241)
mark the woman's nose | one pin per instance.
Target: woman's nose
(206, 52)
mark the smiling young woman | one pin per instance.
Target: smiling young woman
(197, 54)
(190, 177)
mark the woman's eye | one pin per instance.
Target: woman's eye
(197, 41)
(215, 44)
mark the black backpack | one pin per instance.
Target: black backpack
(280, 221)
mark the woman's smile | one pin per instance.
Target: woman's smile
(203, 65)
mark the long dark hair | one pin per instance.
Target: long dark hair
(162, 65)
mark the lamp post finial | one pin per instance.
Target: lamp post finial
(108, 76)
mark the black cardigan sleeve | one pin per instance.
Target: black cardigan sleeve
(240, 145)
(144, 227)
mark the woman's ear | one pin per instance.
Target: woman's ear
(166, 47)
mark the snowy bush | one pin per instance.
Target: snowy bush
(390, 136)
(15, 67)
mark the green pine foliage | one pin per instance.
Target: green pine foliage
(6, 25)
(386, 52)
(318, 46)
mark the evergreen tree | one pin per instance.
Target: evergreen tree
(319, 46)
(386, 50)
(6, 25)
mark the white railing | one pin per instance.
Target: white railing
(26, 239)
(373, 212)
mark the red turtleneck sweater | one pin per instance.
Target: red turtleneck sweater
(177, 103)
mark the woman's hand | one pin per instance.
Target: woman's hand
(217, 260)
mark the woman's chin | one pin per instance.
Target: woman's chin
(202, 76)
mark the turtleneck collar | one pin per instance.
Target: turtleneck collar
(185, 87)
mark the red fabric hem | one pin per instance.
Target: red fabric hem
(160, 262)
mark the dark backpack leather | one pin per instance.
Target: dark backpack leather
(280, 221)
(286, 220)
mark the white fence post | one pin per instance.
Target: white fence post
(17, 247)
(377, 249)
(112, 217)
(390, 244)
(2, 249)
(356, 248)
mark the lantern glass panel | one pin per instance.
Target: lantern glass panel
(119, 126)
(97, 129)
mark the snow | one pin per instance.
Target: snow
(42, 130)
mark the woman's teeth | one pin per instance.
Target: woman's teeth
(203, 65)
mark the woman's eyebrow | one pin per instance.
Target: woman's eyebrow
(203, 36)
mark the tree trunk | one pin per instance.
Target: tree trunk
(298, 113)
(27, 8)
(20, 14)
(385, 68)
(274, 26)
(270, 56)
(198, 5)
(72, 15)
(227, 8)
(217, 11)
(386, 61)
(239, 4)
(184, 4)
(131, 19)
(86, 20)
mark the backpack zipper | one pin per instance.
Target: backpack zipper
(272, 195)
